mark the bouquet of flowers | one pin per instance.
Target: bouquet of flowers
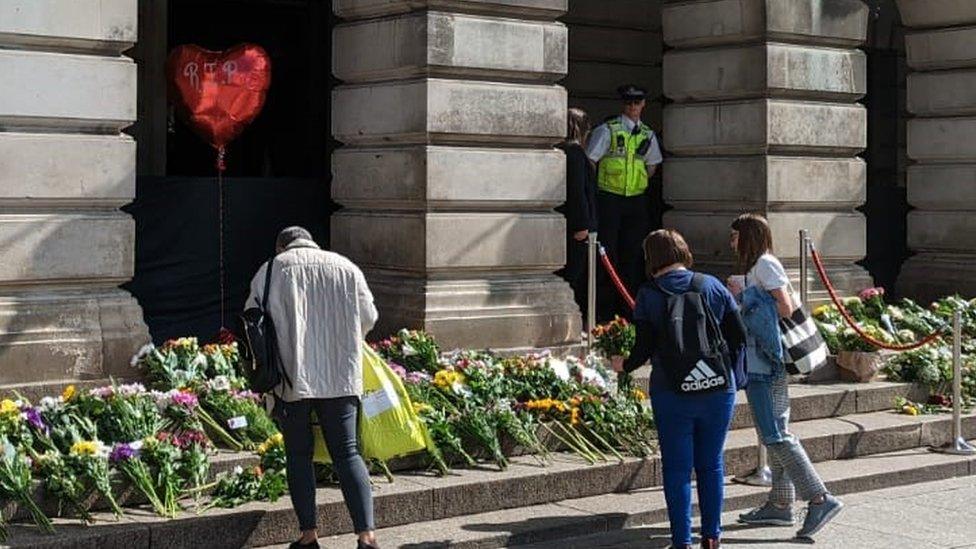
(89, 459)
(64, 483)
(239, 411)
(251, 484)
(15, 484)
(121, 413)
(414, 350)
(125, 457)
(616, 338)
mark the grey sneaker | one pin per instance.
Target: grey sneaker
(818, 515)
(768, 515)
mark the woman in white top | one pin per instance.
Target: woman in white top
(766, 295)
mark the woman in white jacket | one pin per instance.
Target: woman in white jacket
(322, 310)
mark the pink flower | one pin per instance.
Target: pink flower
(400, 371)
(186, 400)
(102, 392)
(871, 293)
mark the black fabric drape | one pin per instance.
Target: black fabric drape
(176, 270)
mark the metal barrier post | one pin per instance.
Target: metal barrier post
(762, 475)
(804, 274)
(591, 258)
(958, 445)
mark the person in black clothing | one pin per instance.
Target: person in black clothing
(580, 206)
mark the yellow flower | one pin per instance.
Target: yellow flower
(277, 439)
(262, 448)
(68, 393)
(9, 408)
(420, 407)
(821, 310)
(447, 378)
(910, 410)
(84, 448)
(639, 395)
(574, 416)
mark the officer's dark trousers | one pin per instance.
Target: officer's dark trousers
(623, 224)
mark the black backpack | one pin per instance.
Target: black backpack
(261, 361)
(692, 349)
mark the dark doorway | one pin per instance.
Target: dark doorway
(277, 170)
(887, 204)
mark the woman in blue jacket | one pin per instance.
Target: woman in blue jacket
(766, 295)
(691, 427)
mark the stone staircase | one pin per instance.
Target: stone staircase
(849, 430)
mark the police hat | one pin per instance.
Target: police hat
(630, 92)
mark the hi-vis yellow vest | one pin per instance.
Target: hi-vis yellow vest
(622, 170)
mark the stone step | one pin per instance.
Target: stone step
(420, 497)
(572, 522)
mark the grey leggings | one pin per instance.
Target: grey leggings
(338, 417)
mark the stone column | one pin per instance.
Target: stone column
(941, 51)
(448, 177)
(65, 169)
(765, 118)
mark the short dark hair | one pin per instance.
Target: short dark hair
(755, 239)
(665, 247)
(291, 234)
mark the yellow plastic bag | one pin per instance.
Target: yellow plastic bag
(388, 424)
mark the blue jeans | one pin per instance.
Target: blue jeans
(691, 431)
(792, 470)
(338, 418)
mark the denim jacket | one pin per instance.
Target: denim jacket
(764, 351)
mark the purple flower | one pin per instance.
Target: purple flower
(34, 419)
(122, 452)
(186, 400)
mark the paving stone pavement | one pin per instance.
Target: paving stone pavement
(933, 515)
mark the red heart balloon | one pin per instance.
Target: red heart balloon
(219, 93)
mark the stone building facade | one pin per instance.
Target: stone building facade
(760, 104)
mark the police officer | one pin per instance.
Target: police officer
(627, 155)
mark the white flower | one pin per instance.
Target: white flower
(136, 445)
(102, 450)
(408, 350)
(593, 377)
(48, 403)
(143, 353)
(560, 367)
(238, 470)
(220, 383)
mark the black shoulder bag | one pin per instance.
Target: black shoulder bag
(262, 362)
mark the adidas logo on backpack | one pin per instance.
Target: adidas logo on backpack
(701, 378)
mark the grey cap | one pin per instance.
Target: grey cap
(291, 234)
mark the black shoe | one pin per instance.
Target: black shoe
(363, 545)
(296, 545)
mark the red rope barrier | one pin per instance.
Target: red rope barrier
(615, 278)
(850, 320)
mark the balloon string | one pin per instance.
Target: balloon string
(221, 166)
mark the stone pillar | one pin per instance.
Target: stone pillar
(65, 169)
(448, 177)
(941, 51)
(765, 118)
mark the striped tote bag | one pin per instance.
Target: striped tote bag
(804, 349)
